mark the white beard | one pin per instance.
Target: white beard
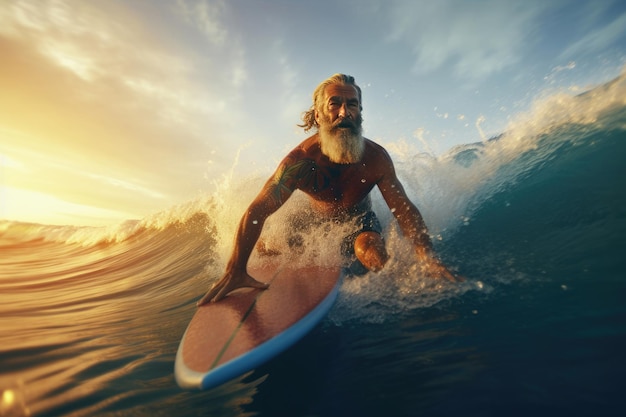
(342, 145)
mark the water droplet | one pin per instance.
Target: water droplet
(363, 180)
(393, 209)
(255, 222)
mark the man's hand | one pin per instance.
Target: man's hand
(433, 267)
(230, 282)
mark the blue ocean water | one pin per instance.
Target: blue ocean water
(90, 318)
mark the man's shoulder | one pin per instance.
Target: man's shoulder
(310, 144)
(375, 150)
(306, 149)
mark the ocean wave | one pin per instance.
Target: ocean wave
(483, 203)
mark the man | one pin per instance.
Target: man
(337, 168)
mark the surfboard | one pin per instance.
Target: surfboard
(235, 335)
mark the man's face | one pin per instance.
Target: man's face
(341, 109)
(339, 120)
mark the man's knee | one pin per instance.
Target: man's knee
(369, 248)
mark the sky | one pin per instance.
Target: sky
(114, 110)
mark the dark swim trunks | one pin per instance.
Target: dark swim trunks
(366, 222)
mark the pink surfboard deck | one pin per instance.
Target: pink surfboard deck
(226, 339)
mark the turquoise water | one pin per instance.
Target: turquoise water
(90, 318)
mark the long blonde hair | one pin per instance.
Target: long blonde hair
(308, 117)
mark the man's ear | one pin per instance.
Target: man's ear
(317, 116)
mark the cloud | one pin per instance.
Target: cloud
(11, 163)
(108, 48)
(210, 19)
(108, 180)
(70, 34)
(207, 17)
(598, 40)
(475, 39)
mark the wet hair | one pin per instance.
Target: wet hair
(308, 117)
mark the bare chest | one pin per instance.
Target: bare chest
(341, 187)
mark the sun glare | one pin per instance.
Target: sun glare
(37, 207)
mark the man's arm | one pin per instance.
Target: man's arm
(411, 222)
(272, 196)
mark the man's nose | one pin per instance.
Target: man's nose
(343, 111)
